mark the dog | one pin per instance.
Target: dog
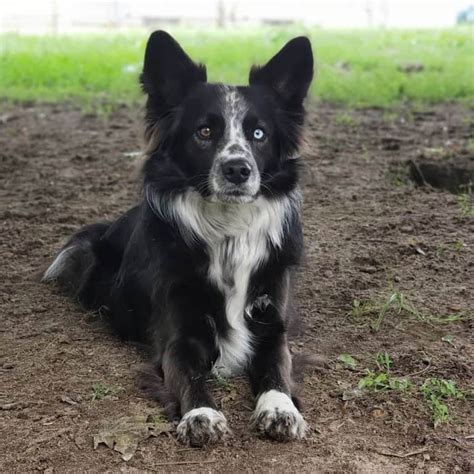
(202, 268)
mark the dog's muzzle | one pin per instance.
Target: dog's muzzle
(234, 179)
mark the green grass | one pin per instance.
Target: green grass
(396, 304)
(356, 68)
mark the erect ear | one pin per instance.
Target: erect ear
(289, 72)
(168, 72)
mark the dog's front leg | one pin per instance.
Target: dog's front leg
(275, 415)
(186, 366)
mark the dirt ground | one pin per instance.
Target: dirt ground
(368, 232)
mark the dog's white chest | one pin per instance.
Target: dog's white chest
(238, 238)
(232, 263)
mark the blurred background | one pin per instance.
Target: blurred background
(57, 16)
(368, 52)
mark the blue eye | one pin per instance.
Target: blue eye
(258, 134)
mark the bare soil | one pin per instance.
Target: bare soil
(368, 231)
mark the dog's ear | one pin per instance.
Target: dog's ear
(168, 72)
(289, 72)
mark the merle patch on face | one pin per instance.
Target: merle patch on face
(231, 144)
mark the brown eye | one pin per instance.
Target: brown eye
(204, 133)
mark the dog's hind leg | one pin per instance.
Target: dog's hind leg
(72, 266)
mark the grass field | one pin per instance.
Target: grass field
(357, 68)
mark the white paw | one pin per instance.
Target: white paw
(202, 426)
(277, 417)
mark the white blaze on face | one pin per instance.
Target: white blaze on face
(234, 145)
(235, 109)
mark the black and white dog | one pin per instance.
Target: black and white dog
(201, 268)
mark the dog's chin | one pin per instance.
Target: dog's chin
(234, 197)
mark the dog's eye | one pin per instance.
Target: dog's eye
(204, 133)
(258, 134)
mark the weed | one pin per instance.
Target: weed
(223, 382)
(395, 302)
(384, 361)
(455, 247)
(157, 418)
(466, 204)
(100, 391)
(436, 392)
(399, 174)
(344, 119)
(383, 380)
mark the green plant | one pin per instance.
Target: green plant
(100, 391)
(382, 379)
(399, 174)
(222, 381)
(466, 204)
(436, 392)
(344, 119)
(455, 247)
(384, 361)
(397, 303)
(157, 418)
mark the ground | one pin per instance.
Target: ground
(370, 235)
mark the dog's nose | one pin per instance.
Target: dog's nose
(236, 171)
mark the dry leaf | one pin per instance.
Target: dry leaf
(124, 434)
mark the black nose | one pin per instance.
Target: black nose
(236, 171)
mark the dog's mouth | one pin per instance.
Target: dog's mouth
(234, 196)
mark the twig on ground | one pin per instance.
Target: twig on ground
(406, 455)
(175, 463)
(422, 371)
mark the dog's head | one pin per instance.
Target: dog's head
(230, 144)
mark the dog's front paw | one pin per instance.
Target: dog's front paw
(277, 417)
(202, 426)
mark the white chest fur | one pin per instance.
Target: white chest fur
(237, 237)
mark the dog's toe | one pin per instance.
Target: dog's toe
(280, 425)
(202, 426)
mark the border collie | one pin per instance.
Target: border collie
(201, 268)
